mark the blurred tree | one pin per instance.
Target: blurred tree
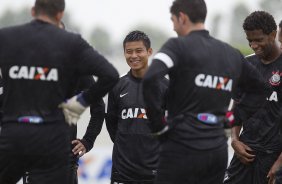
(101, 40)
(244, 49)
(237, 34)
(216, 25)
(69, 24)
(157, 36)
(10, 18)
(274, 7)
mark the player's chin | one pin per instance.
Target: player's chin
(135, 66)
(260, 54)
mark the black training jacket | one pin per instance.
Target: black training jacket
(94, 126)
(203, 72)
(40, 63)
(261, 123)
(136, 151)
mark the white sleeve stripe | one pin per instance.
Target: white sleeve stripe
(165, 59)
(1, 90)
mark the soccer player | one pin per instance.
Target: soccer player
(84, 145)
(278, 174)
(97, 112)
(39, 64)
(280, 34)
(202, 72)
(80, 146)
(257, 148)
(136, 151)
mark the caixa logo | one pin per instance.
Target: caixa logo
(215, 82)
(33, 73)
(133, 113)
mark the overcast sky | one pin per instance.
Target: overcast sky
(118, 16)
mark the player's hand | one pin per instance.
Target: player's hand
(271, 174)
(79, 149)
(243, 152)
(73, 108)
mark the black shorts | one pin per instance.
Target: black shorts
(254, 173)
(43, 148)
(182, 166)
(73, 166)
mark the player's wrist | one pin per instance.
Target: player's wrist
(80, 98)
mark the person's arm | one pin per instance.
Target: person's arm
(241, 150)
(88, 61)
(152, 96)
(235, 133)
(97, 112)
(275, 167)
(94, 127)
(112, 116)
(107, 78)
(271, 174)
(251, 81)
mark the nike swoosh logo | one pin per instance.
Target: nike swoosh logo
(122, 95)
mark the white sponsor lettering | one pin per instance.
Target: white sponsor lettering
(215, 82)
(133, 113)
(273, 97)
(33, 73)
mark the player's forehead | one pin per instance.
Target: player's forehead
(255, 34)
(139, 44)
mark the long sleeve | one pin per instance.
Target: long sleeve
(94, 127)
(112, 117)
(91, 62)
(151, 91)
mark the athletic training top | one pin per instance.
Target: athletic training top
(261, 129)
(40, 63)
(202, 71)
(136, 151)
(97, 112)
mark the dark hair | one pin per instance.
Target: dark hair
(137, 36)
(280, 24)
(260, 20)
(49, 7)
(195, 9)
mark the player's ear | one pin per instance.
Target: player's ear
(150, 51)
(273, 35)
(181, 17)
(59, 16)
(32, 12)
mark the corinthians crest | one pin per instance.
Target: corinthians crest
(275, 78)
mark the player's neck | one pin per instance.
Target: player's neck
(194, 27)
(275, 54)
(139, 73)
(47, 19)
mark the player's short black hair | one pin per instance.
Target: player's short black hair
(260, 20)
(137, 36)
(49, 7)
(280, 24)
(195, 9)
